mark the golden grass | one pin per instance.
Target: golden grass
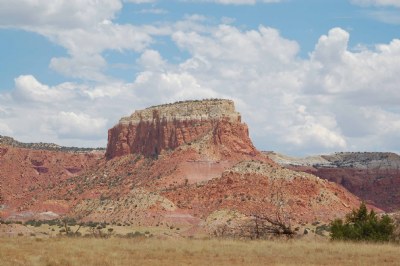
(117, 251)
(121, 230)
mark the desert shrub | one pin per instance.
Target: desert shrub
(71, 221)
(53, 222)
(133, 235)
(30, 222)
(321, 229)
(75, 234)
(34, 223)
(91, 224)
(359, 225)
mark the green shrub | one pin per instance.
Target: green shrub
(92, 224)
(34, 223)
(133, 235)
(360, 225)
(321, 229)
(53, 222)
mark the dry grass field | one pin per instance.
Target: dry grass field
(152, 251)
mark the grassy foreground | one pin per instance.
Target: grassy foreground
(116, 251)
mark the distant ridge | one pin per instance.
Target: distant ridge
(361, 160)
(5, 140)
(372, 176)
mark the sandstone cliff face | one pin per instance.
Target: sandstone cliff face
(156, 129)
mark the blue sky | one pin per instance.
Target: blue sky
(301, 20)
(308, 76)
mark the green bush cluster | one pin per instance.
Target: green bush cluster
(58, 222)
(136, 234)
(35, 223)
(359, 225)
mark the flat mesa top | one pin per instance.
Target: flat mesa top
(186, 110)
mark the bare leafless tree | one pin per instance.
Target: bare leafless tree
(261, 223)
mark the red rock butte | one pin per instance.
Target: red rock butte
(180, 164)
(165, 127)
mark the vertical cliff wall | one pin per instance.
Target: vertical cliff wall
(166, 127)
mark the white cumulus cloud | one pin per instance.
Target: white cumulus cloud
(33, 14)
(235, 2)
(395, 3)
(140, 1)
(5, 130)
(335, 99)
(73, 125)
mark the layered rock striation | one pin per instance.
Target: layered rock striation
(208, 166)
(372, 176)
(165, 127)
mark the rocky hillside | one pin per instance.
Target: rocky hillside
(373, 176)
(196, 157)
(185, 164)
(28, 178)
